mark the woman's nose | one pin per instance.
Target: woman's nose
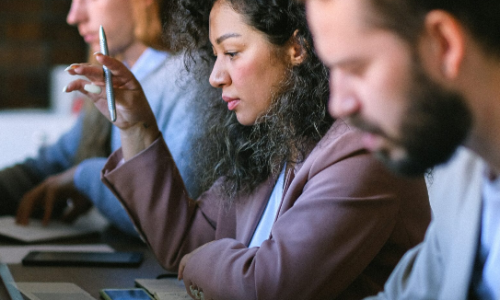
(219, 76)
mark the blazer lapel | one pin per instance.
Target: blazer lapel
(249, 210)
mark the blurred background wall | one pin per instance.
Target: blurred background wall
(34, 37)
(36, 45)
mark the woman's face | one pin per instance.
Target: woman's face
(116, 16)
(247, 68)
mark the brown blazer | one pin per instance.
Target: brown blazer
(343, 224)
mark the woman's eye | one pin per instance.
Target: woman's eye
(231, 54)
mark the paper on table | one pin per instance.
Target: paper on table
(36, 232)
(53, 291)
(164, 289)
(171, 296)
(15, 254)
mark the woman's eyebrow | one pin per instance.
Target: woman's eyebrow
(226, 36)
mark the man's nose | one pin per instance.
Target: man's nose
(343, 101)
(77, 12)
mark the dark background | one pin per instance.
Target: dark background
(34, 36)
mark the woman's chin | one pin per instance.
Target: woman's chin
(245, 120)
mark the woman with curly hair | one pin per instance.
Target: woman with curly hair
(297, 208)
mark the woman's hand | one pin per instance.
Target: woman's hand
(137, 123)
(51, 193)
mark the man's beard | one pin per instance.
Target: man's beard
(437, 121)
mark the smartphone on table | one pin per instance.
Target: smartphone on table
(83, 259)
(125, 294)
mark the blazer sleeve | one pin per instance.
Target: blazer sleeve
(345, 210)
(152, 191)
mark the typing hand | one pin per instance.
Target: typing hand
(51, 193)
(137, 123)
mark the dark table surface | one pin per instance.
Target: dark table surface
(91, 279)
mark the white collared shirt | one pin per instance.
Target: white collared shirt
(267, 220)
(488, 285)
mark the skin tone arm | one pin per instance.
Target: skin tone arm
(137, 123)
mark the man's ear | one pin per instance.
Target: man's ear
(296, 50)
(445, 43)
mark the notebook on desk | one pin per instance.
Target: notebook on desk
(53, 291)
(164, 289)
(36, 232)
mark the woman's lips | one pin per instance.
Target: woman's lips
(90, 38)
(231, 102)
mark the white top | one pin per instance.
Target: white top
(266, 222)
(489, 252)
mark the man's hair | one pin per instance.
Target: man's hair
(149, 21)
(480, 18)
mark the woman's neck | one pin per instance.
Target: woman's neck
(132, 54)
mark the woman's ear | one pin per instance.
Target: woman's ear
(296, 50)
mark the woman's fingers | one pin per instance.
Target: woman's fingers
(94, 91)
(91, 89)
(122, 77)
(132, 107)
(94, 73)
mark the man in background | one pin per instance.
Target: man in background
(422, 77)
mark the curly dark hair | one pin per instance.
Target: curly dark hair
(245, 156)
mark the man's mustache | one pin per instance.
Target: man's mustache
(358, 122)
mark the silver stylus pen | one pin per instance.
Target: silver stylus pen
(107, 76)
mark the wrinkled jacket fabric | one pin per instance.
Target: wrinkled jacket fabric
(343, 224)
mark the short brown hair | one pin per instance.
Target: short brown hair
(406, 18)
(150, 20)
